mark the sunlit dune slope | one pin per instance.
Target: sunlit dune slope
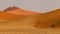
(19, 11)
(8, 16)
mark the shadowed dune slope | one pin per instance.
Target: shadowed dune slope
(11, 8)
(49, 20)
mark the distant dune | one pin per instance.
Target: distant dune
(19, 11)
(14, 12)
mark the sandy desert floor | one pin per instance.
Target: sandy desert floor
(16, 28)
(9, 29)
(30, 31)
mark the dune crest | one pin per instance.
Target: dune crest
(11, 8)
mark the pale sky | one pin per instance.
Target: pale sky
(34, 5)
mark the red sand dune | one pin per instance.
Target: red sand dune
(14, 13)
(19, 11)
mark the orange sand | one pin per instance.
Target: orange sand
(8, 16)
